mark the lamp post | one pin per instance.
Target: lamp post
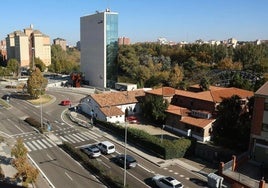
(125, 159)
(163, 126)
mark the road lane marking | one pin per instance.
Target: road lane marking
(78, 137)
(41, 144)
(49, 157)
(46, 143)
(34, 143)
(144, 168)
(68, 176)
(31, 146)
(137, 179)
(63, 139)
(15, 125)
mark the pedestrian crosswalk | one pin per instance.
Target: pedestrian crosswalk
(39, 143)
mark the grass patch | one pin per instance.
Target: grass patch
(42, 100)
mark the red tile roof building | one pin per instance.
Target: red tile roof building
(192, 113)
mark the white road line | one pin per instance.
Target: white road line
(83, 136)
(49, 157)
(75, 139)
(15, 125)
(46, 143)
(34, 143)
(144, 168)
(89, 135)
(63, 139)
(28, 149)
(53, 144)
(78, 137)
(68, 138)
(68, 176)
(41, 144)
(31, 146)
(137, 179)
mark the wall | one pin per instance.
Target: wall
(93, 49)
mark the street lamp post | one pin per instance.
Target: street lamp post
(163, 126)
(41, 112)
(125, 159)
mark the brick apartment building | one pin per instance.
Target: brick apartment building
(259, 128)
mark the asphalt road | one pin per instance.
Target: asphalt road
(59, 168)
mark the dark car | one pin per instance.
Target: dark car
(6, 97)
(130, 161)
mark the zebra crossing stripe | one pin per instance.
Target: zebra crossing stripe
(78, 137)
(46, 143)
(89, 135)
(83, 136)
(63, 139)
(69, 139)
(75, 139)
(41, 143)
(28, 149)
(31, 146)
(52, 143)
(34, 143)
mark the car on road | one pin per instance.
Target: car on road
(132, 119)
(130, 161)
(166, 182)
(106, 147)
(92, 151)
(65, 102)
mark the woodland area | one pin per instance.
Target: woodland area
(152, 65)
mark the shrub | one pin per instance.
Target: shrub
(33, 122)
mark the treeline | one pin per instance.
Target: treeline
(151, 64)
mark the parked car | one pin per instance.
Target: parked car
(166, 182)
(133, 119)
(106, 147)
(92, 151)
(130, 161)
(65, 102)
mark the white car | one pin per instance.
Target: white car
(106, 147)
(92, 151)
(166, 182)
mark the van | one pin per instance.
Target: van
(106, 147)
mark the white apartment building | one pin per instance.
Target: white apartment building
(99, 47)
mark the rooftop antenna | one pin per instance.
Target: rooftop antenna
(108, 5)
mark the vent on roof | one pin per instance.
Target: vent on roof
(199, 114)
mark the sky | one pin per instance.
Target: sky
(142, 20)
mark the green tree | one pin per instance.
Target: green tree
(204, 84)
(25, 170)
(36, 84)
(154, 108)
(175, 76)
(13, 66)
(40, 64)
(233, 123)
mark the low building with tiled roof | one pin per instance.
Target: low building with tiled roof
(112, 106)
(192, 112)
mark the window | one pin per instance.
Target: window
(265, 106)
(265, 127)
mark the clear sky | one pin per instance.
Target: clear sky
(142, 20)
